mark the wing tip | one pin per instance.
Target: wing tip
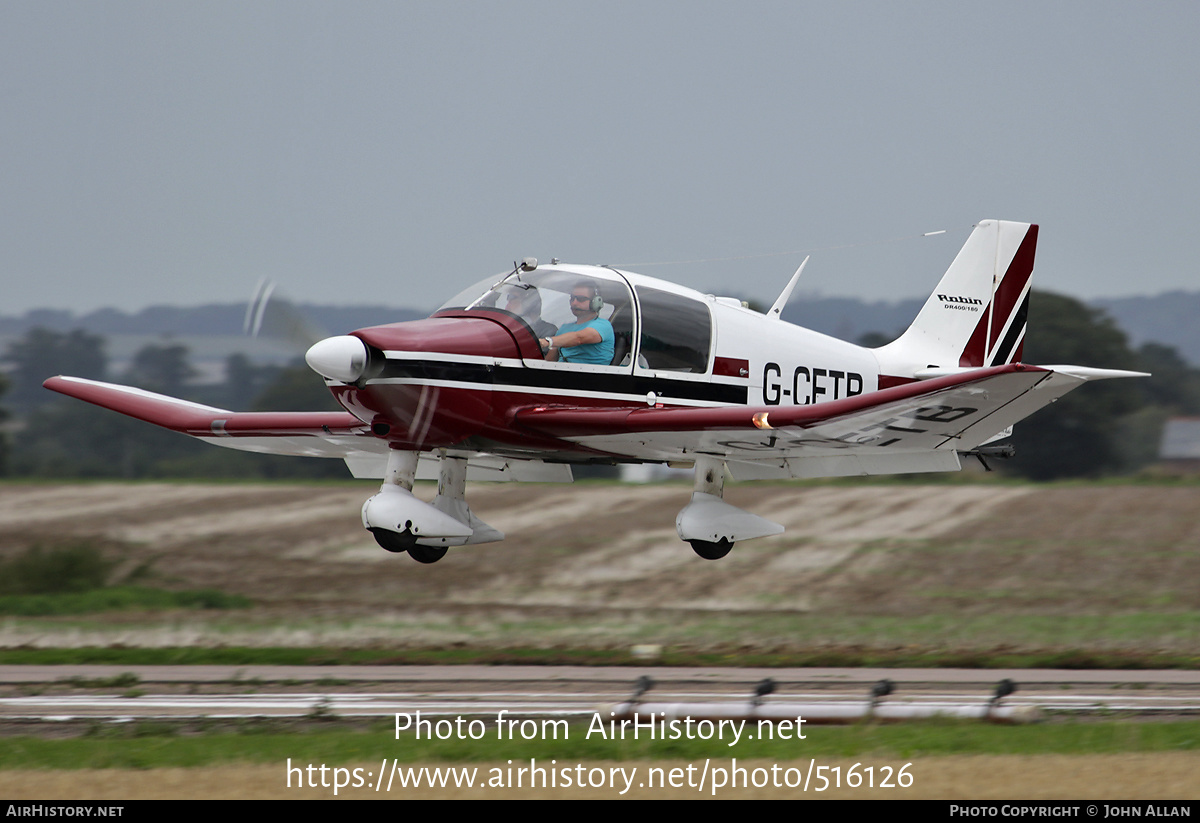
(1093, 373)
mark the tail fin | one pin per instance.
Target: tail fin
(976, 315)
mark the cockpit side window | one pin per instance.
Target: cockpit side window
(676, 332)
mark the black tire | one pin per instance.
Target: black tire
(393, 541)
(427, 554)
(710, 550)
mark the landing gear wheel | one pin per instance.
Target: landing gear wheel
(427, 554)
(394, 542)
(710, 550)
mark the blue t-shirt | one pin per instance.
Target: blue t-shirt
(599, 353)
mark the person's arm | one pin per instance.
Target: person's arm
(571, 338)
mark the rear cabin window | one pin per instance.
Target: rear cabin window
(676, 332)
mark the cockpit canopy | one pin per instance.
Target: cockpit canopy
(675, 330)
(542, 298)
(542, 295)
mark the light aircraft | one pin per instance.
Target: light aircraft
(481, 390)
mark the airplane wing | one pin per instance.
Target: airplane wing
(305, 434)
(301, 434)
(921, 426)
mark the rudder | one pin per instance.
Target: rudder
(977, 314)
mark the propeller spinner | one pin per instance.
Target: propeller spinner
(342, 358)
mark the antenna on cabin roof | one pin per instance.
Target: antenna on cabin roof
(781, 301)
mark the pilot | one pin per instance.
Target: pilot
(527, 303)
(590, 338)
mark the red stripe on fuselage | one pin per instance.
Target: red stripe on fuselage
(730, 367)
(888, 381)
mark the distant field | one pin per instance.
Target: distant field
(971, 569)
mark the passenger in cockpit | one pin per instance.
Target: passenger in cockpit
(527, 303)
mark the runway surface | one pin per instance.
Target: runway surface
(78, 692)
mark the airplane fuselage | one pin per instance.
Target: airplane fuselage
(459, 378)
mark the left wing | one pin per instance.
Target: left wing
(916, 427)
(302, 434)
(305, 434)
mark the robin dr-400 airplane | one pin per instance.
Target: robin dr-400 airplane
(521, 376)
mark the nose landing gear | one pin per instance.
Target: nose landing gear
(402, 523)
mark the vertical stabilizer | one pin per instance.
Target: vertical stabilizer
(976, 315)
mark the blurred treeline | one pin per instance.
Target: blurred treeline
(50, 435)
(1104, 428)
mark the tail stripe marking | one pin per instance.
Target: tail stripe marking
(1008, 293)
(1016, 331)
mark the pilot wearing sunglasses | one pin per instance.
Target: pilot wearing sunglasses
(590, 338)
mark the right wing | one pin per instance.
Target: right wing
(920, 426)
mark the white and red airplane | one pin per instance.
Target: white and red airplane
(495, 385)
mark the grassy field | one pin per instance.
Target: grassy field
(923, 760)
(1102, 574)
(161, 744)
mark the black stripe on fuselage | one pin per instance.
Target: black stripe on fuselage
(562, 381)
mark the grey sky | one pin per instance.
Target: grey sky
(392, 153)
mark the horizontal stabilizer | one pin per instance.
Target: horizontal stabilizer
(1091, 373)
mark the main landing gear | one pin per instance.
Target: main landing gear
(402, 523)
(392, 542)
(710, 549)
(710, 524)
(407, 542)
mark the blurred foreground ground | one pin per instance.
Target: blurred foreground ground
(980, 777)
(599, 565)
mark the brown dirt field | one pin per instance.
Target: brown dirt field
(980, 777)
(600, 564)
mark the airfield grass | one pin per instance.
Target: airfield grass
(158, 744)
(74, 578)
(118, 598)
